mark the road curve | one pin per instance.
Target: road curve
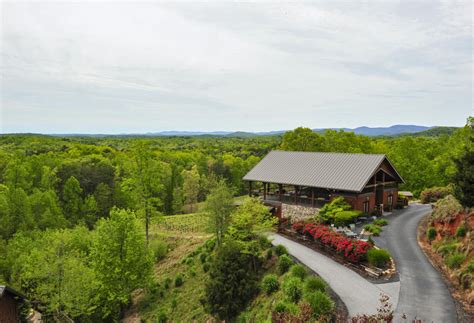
(359, 295)
(423, 292)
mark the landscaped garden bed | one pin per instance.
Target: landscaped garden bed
(362, 256)
(446, 237)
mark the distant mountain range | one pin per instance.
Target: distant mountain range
(366, 131)
(395, 130)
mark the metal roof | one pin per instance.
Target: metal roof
(338, 171)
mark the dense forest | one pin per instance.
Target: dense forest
(67, 203)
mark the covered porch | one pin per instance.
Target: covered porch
(290, 194)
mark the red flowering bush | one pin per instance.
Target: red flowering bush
(298, 227)
(352, 249)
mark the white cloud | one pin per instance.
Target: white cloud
(139, 67)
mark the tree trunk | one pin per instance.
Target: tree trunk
(147, 222)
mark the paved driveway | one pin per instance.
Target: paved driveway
(423, 293)
(359, 295)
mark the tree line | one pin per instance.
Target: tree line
(75, 212)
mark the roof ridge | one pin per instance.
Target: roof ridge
(325, 152)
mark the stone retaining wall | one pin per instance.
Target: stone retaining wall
(298, 212)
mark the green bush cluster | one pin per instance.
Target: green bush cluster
(344, 218)
(159, 249)
(446, 247)
(374, 229)
(284, 263)
(455, 260)
(313, 284)
(281, 250)
(329, 210)
(431, 233)
(380, 222)
(282, 307)
(434, 194)
(292, 288)
(298, 271)
(378, 257)
(320, 303)
(270, 283)
(461, 231)
(446, 208)
(298, 288)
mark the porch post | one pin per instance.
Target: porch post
(264, 191)
(280, 188)
(250, 188)
(312, 196)
(296, 194)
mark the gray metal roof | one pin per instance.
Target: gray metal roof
(339, 171)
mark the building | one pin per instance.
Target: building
(367, 181)
(10, 302)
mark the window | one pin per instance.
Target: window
(366, 207)
(390, 200)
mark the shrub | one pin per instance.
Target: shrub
(167, 282)
(269, 254)
(446, 248)
(455, 260)
(285, 307)
(284, 263)
(298, 271)
(205, 267)
(270, 284)
(313, 284)
(264, 242)
(446, 208)
(159, 249)
(281, 250)
(344, 218)
(192, 272)
(431, 233)
(380, 222)
(320, 303)
(378, 257)
(178, 280)
(203, 257)
(374, 229)
(210, 244)
(329, 210)
(461, 231)
(292, 288)
(434, 194)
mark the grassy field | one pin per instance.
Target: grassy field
(181, 235)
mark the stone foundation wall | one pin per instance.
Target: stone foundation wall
(298, 212)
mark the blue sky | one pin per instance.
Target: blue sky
(109, 67)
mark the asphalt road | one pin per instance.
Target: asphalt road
(423, 293)
(358, 294)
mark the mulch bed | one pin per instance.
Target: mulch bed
(465, 312)
(316, 246)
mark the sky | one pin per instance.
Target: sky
(138, 67)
